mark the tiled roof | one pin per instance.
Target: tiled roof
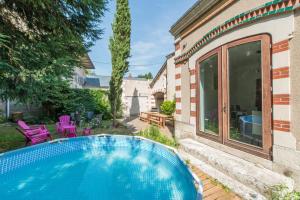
(198, 9)
(86, 62)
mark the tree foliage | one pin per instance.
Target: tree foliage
(120, 51)
(147, 76)
(47, 39)
(61, 99)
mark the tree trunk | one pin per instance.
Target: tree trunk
(114, 115)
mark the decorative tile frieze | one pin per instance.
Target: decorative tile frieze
(268, 9)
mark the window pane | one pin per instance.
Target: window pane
(245, 93)
(209, 95)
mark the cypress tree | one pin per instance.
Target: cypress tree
(120, 52)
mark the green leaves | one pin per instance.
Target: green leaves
(120, 51)
(147, 76)
(47, 38)
(168, 107)
(60, 99)
(155, 134)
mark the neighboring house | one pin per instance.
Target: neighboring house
(80, 74)
(136, 96)
(163, 84)
(104, 82)
(96, 82)
(237, 82)
(91, 83)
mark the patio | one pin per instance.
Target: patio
(136, 125)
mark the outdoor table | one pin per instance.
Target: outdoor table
(157, 118)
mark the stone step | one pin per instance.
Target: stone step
(235, 186)
(256, 180)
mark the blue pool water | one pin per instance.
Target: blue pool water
(106, 168)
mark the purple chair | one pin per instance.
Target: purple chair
(64, 120)
(34, 134)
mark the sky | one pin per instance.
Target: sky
(150, 37)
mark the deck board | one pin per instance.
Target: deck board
(213, 190)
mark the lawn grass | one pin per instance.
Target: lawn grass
(153, 133)
(11, 139)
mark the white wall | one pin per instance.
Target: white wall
(160, 84)
(78, 78)
(136, 96)
(171, 78)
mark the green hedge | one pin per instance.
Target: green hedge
(82, 100)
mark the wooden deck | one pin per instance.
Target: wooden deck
(212, 189)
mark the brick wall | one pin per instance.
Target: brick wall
(283, 72)
(281, 99)
(280, 46)
(281, 125)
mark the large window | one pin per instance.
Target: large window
(234, 101)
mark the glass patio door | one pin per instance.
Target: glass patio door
(234, 95)
(247, 95)
(210, 118)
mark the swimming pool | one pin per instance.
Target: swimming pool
(97, 167)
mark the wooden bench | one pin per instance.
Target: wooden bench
(144, 117)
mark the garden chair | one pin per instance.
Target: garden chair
(64, 120)
(33, 134)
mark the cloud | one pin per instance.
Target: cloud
(151, 53)
(142, 47)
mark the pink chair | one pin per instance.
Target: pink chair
(64, 120)
(34, 134)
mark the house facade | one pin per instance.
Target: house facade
(80, 73)
(237, 80)
(162, 86)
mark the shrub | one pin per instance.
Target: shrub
(82, 100)
(2, 117)
(281, 192)
(102, 105)
(154, 133)
(168, 107)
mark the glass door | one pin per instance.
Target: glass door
(234, 95)
(247, 95)
(209, 73)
